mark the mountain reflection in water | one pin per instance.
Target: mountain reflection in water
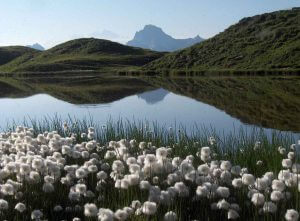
(270, 102)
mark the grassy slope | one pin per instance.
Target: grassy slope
(10, 53)
(83, 54)
(268, 41)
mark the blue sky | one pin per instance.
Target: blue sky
(50, 22)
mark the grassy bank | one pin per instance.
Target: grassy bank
(155, 174)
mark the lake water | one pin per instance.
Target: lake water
(154, 104)
(158, 105)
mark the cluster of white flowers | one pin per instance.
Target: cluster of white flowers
(51, 162)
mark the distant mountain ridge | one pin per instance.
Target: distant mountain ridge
(154, 38)
(36, 46)
(262, 42)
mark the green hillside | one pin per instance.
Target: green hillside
(82, 54)
(9, 53)
(267, 41)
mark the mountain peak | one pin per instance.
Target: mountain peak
(36, 46)
(154, 38)
(152, 28)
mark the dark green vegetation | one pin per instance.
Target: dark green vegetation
(267, 41)
(272, 102)
(8, 54)
(80, 54)
(87, 89)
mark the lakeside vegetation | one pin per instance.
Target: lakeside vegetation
(140, 171)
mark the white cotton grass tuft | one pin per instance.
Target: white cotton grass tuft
(278, 185)
(105, 215)
(237, 183)
(149, 208)
(52, 163)
(223, 204)
(90, 210)
(291, 215)
(170, 216)
(248, 179)
(287, 163)
(258, 199)
(232, 214)
(3, 204)
(121, 215)
(36, 214)
(276, 196)
(48, 187)
(269, 207)
(223, 192)
(20, 207)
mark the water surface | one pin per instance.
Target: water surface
(188, 102)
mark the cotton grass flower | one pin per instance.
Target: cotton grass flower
(105, 215)
(84, 172)
(170, 216)
(36, 214)
(121, 214)
(149, 208)
(90, 210)
(181, 189)
(20, 207)
(225, 165)
(223, 192)
(258, 199)
(291, 215)
(237, 183)
(276, 196)
(3, 204)
(287, 163)
(58, 208)
(48, 187)
(223, 204)
(278, 185)
(202, 191)
(248, 179)
(232, 214)
(269, 207)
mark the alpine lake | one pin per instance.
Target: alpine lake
(220, 103)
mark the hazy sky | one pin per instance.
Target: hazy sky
(49, 22)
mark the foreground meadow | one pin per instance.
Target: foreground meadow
(133, 171)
